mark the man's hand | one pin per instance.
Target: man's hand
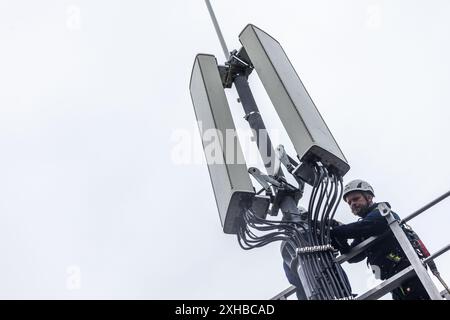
(334, 223)
(338, 243)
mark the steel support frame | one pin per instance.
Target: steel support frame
(413, 258)
(287, 204)
(255, 122)
(284, 294)
(387, 285)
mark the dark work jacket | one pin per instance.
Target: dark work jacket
(386, 253)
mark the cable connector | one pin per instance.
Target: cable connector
(346, 298)
(313, 249)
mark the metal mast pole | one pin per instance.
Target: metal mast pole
(219, 33)
(252, 114)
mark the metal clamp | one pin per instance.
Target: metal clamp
(250, 113)
(384, 209)
(282, 155)
(313, 249)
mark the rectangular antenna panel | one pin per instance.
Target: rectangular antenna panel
(231, 183)
(305, 126)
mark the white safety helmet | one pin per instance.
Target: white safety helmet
(358, 185)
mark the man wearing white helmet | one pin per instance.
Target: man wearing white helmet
(386, 256)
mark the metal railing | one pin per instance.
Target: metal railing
(417, 266)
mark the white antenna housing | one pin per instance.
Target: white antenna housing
(231, 183)
(305, 126)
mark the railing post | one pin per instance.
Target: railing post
(410, 253)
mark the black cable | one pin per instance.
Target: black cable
(325, 258)
(336, 283)
(337, 277)
(326, 264)
(324, 276)
(317, 262)
(343, 280)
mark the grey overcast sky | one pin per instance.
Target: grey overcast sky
(92, 93)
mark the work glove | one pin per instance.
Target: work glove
(339, 244)
(334, 223)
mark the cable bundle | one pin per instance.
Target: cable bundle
(310, 240)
